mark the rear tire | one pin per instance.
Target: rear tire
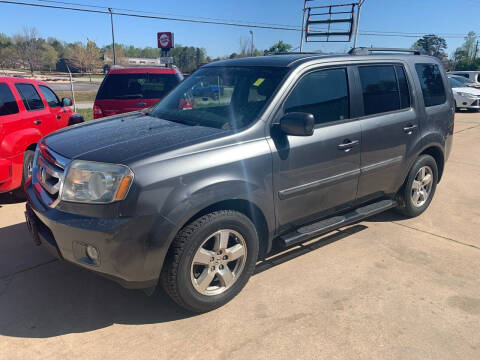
(26, 172)
(417, 193)
(199, 273)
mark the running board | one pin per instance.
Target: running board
(324, 226)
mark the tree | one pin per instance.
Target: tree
(49, 57)
(433, 45)
(84, 58)
(464, 57)
(279, 47)
(28, 47)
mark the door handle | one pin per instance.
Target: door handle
(410, 128)
(141, 104)
(59, 117)
(37, 122)
(347, 145)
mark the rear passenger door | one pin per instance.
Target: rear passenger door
(390, 128)
(37, 116)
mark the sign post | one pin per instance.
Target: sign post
(165, 43)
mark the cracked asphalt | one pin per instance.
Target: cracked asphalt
(386, 288)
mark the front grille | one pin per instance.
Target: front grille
(48, 174)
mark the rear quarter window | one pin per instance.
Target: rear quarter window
(432, 84)
(137, 86)
(8, 104)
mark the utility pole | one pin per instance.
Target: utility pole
(359, 6)
(251, 45)
(113, 37)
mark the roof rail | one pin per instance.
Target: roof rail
(292, 53)
(369, 51)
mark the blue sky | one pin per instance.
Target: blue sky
(413, 16)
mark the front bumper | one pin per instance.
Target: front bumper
(468, 103)
(11, 173)
(123, 244)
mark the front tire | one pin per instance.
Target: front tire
(419, 188)
(26, 172)
(211, 260)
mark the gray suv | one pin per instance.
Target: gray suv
(193, 191)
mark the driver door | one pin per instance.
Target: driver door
(317, 175)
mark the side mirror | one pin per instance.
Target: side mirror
(297, 124)
(67, 102)
(75, 119)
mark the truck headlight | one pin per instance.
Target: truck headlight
(99, 183)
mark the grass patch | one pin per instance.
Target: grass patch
(86, 113)
(79, 95)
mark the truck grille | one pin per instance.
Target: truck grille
(48, 174)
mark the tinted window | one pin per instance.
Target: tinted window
(30, 97)
(50, 96)
(380, 89)
(8, 104)
(137, 86)
(431, 83)
(403, 87)
(323, 94)
(224, 97)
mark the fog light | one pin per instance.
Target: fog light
(92, 253)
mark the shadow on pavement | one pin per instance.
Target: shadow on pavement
(57, 297)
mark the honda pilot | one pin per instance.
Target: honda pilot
(293, 147)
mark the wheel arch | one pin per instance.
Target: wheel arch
(247, 208)
(437, 153)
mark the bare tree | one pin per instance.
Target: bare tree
(28, 48)
(244, 47)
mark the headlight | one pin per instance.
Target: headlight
(93, 182)
(467, 95)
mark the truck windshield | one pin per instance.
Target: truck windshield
(228, 98)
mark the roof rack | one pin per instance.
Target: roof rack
(292, 53)
(369, 51)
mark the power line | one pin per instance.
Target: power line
(226, 23)
(170, 14)
(135, 13)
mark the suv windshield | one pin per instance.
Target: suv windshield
(137, 86)
(221, 97)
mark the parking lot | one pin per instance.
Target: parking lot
(386, 288)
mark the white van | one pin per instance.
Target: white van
(471, 75)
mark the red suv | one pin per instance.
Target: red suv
(129, 89)
(29, 110)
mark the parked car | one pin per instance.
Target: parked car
(133, 88)
(470, 75)
(29, 110)
(465, 81)
(205, 89)
(192, 199)
(465, 97)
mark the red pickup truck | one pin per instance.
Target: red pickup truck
(29, 110)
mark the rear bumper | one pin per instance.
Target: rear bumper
(11, 170)
(122, 243)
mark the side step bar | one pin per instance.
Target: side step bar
(324, 226)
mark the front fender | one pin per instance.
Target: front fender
(18, 141)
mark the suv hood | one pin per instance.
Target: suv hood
(127, 137)
(468, 90)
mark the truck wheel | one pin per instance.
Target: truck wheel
(419, 188)
(26, 172)
(210, 260)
